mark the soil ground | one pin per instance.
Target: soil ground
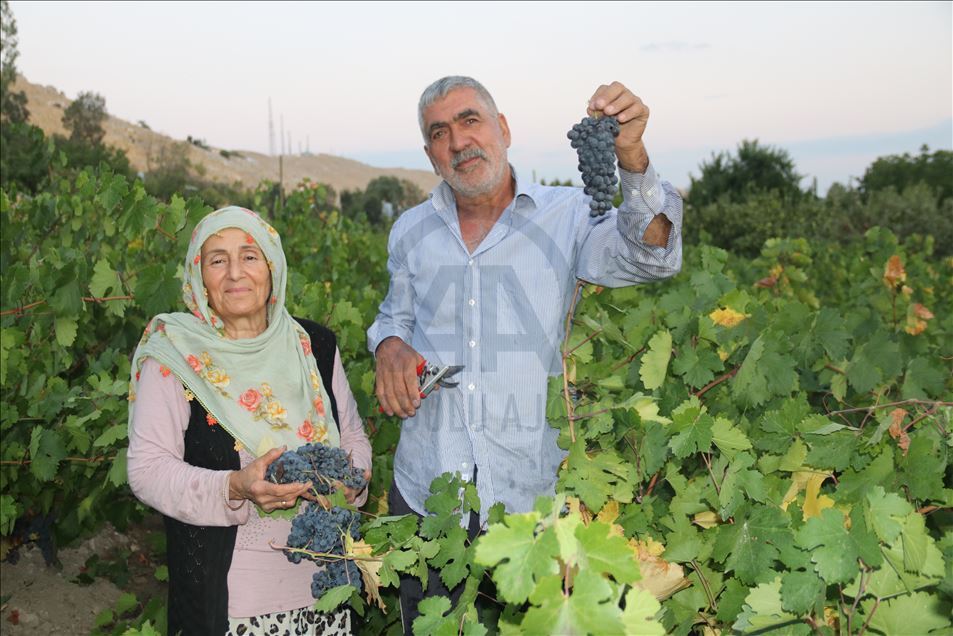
(41, 599)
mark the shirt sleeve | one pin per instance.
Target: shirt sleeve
(158, 474)
(613, 252)
(396, 315)
(353, 438)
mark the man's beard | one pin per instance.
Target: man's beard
(487, 185)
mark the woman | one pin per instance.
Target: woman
(216, 396)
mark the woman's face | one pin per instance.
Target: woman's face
(236, 276)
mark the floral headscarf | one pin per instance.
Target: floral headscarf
(265, 391)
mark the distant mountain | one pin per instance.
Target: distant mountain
(142, 146)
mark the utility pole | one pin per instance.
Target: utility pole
(282, 134)
(271, 131)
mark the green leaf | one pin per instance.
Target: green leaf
(333, 597)
(603, 552)
(884, 511)
(112, 435)
(590, 609)
(162, 573)
(800, 591)
(451, 559)
(9, 511)
(46, 453)
(832, 551)
(924, 380)
(596, 478)
(125, 603)
(750, 544)
(728, 437)
(117, 471)
(917, 613)
(655, 360)
(692, 427)
(518, 554)
(749, 383)
(432, 612)
(763, 610)
(639, 615)
(697, 366)
(66, 328)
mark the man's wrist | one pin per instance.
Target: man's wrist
(634, 159)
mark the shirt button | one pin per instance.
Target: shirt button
(472, 302)
(471, 386)
(472, 343)
(470, 262)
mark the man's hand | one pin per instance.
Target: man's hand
(397, 387)
(351, 493)
(250, 483)
(615, 99)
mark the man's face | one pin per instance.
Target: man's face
(466, 144)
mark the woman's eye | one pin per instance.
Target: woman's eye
(217, 261)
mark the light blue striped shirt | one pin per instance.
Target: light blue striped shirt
(500, 312)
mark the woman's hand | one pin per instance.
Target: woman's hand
(250, 483)
(351, 493)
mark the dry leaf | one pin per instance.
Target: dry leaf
(727, 317)
(706, 519)
(370, 569)
(897, 432)
(894, 274)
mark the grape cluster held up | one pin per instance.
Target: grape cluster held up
(315, 529)
(594, 141)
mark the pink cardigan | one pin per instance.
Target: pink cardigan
(261, 579)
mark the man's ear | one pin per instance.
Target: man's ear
(433, 163)
(505, 128)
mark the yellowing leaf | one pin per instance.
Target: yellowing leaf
(706, 519)
(814, 502)
(370, 569)
(894, 274)
(722, 355)
(727, 317)
(659, 577)
(609, 512)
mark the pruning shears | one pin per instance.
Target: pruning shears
(430, 376)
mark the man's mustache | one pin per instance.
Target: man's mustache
(466, 155)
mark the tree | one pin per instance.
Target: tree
(401, 194)
(756, 169)
(84, 118)
(900, 172)
(12, 104)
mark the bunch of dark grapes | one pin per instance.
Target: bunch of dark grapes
(594, 141)
(316, 529)
(319, 464)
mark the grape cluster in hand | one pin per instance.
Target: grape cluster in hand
(594, 141)
(316, 529)
(319, 464)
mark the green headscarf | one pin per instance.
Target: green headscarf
(265, 391)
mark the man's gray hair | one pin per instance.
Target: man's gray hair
(443, 86)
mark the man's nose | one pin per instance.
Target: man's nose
(458, 141)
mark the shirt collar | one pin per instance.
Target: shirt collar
(441, 197)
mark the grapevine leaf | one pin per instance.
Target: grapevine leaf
(740, 479)
(67, 300)
(639, 615)
(917, 613)
(46, 453)
(830, 333)
(799, 591)
(728, 437)
(66, 328)
(873, 362)
(923, 380)
(749, 383)
(794, 458)
(883, 512)
(451, 560)
(764, 610)
(117, 470)
(396, 561)
(692, 427)
(432, 611)
(697, 366)
(112, 435)
(750, 545)
(915, 541)
(9, 511)
(333, 597)
(655, 361)
(518, 554)
(594, 479)
(922, 468)
(590, 609)
(605, 552)
(832, 551)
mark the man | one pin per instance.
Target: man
(482, 275)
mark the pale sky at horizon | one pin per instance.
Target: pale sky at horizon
(835, 84)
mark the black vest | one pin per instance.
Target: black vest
(199, 556)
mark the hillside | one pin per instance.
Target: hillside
(142, 146)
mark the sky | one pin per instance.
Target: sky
(834, 84)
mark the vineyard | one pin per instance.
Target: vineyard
(759, 445)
